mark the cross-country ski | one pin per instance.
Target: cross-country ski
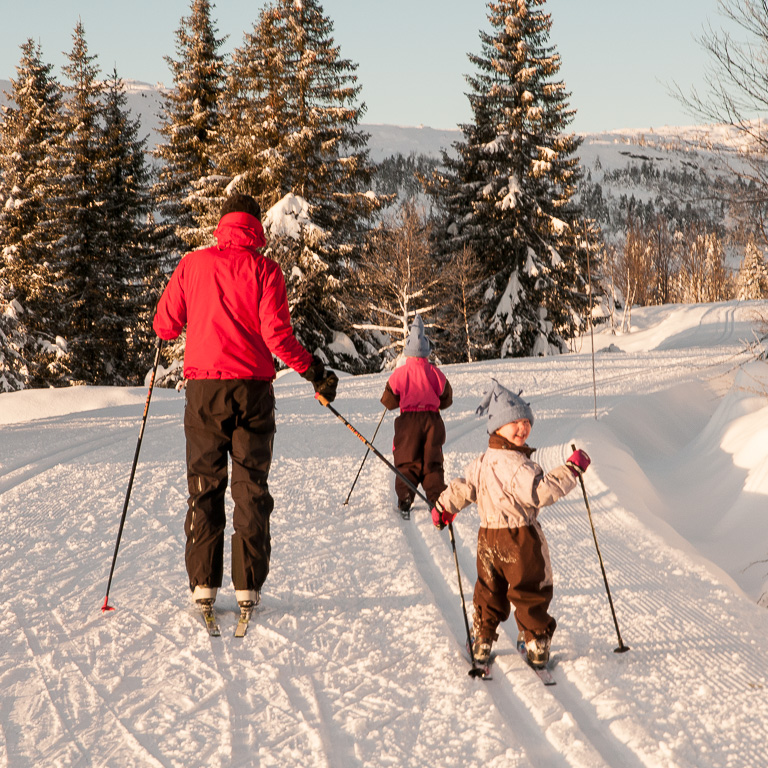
(208, 614)
(544, 672)
(244, 618)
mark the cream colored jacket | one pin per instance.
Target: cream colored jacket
(508, 488)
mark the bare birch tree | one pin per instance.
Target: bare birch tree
(395, 279)
(461, 328)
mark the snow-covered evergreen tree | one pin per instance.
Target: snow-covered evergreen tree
(255, 122)
(290, 132)
(29, 131)
(292, 115)
(509, 191)
(14, 371)
(190, 129)
(77, 238)
(752, 281)
(123, 187)
(93, 233)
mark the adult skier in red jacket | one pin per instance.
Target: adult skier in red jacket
(233, 302)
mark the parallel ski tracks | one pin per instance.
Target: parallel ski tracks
(514, 686)
(242, 686)
(258, 692)
(661, 619)
(562, 715)
(115, 442)
(69, 692)
(558, 715)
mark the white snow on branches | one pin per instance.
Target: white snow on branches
(288, 216)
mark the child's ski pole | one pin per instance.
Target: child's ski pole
(475, 671)
(107, 606)
(368, 450)
(622, 648)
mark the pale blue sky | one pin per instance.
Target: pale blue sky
(619, 56)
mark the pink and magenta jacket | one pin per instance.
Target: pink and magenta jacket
(417, 386)
(233, 301)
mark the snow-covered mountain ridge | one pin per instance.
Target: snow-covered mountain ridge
(672, 168)
(145, 101)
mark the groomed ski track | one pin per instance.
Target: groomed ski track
(355, 657)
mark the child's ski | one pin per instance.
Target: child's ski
(483, 671)
(544, 674)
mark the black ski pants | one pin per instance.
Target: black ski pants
(226, 417)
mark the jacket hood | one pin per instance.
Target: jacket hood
(239, 228)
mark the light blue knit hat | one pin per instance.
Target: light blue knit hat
(503, 406)
(417, 344)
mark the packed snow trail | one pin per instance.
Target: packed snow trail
(355, 657)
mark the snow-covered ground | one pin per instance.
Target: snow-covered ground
(356, 656)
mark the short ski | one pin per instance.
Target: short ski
(544, 674)
(483, 671)
(209, 617)
(244, 618)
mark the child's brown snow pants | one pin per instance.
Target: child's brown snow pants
(513, 569)
(222, 417)
(418, 453)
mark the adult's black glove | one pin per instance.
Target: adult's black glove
(323, 379)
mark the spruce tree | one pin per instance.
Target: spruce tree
(80, 293)
(29, 131)
(752, 281)
(99, 202)
(255, 126)
(14, 369)
(123, 186)
(292, 119)
(190, 127)
(508, 192)
(291, 137)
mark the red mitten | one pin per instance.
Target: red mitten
(578, 462)
(441, 517)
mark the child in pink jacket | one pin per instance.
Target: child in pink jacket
(513, 566)
(420, 390)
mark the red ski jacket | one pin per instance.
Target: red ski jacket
(233, 301)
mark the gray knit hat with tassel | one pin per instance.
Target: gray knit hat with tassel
(502, 406)
(417, 344)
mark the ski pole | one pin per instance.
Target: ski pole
(475, 671)
(107, 606)
(622, 648)
(367, 451)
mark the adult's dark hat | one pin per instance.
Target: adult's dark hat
(239, 203)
